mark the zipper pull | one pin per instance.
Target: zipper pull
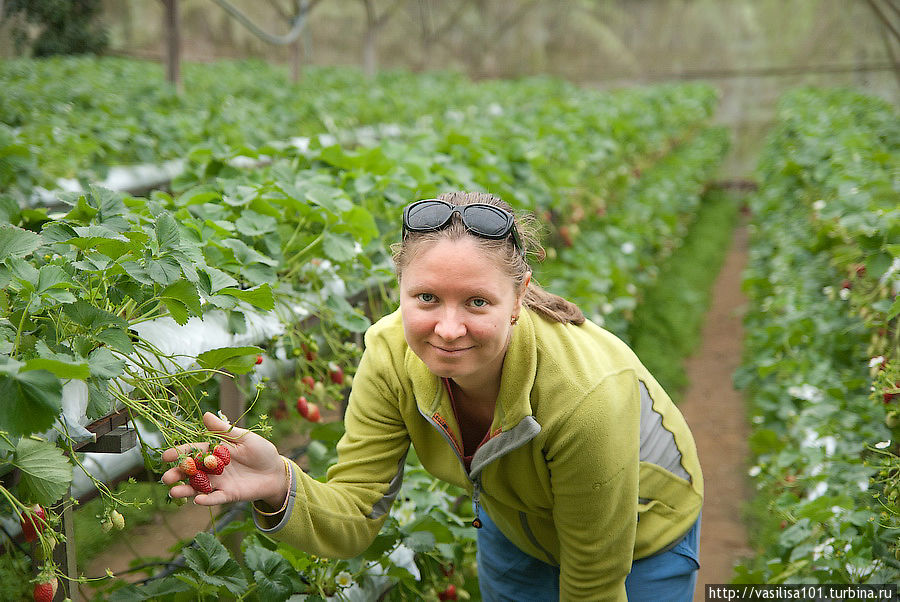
(476, 494)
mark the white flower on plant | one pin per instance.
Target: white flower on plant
(817, 491)
(819, 205)
(631, 288)
(876, 361)
(758, 419)
(882, 444)
(828, 291)
(754, 471)
(806, 392)
(627, 248)
(404, 513)
(844, 294)
(607, 308)
(343, 579)
(824, 549)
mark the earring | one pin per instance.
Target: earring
(513, 320)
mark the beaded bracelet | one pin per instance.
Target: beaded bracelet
(290, 477)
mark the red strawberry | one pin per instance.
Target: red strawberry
(188, 466)
(200, 482)
(259, 360)
(309, 353)
(314, 415)
(222, 452)
(309, 381)
(336, 373)
(45, 590)
(448, 594)
(846, 284)
(566, 235)
(33, 522)
(303, 406)
(213, 464)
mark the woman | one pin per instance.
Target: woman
(584, 476)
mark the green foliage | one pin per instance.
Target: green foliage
(307, 227)
(821, 345)
(67, 26)
(669, 317)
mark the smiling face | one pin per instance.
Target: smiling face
(456, 305)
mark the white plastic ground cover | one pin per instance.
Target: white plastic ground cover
(182, 344)
(147, 176)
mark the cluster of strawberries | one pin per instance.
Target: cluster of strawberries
(200, 465)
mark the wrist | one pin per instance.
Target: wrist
(277, 498)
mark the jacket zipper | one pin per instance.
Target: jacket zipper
(476, 482)
(476, 496)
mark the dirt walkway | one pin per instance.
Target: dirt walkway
(715, 412)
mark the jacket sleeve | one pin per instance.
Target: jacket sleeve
(594, 462)
(340, 517)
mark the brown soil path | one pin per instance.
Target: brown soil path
(715, 412)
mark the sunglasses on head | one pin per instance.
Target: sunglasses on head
(486, 221)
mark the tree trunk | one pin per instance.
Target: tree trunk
(295, 60)
(370, 60)
(173, 44)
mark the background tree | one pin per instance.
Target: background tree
(66, 26)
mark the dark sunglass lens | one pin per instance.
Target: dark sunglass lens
(427, 216)
(487, 221)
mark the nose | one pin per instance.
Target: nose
(450, 325)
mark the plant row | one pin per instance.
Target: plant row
(75, 117)
(821, 352)
(291, 238)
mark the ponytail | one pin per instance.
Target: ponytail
(551, 307)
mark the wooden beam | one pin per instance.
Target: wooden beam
(118, 440)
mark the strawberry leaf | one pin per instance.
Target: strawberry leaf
(275, 577)
(31, 400)
(214, 565)
(260, 296)
(237, 360)
(16, 242)
(60, 368)
(338, 247)
(46, 473)
(104, 364)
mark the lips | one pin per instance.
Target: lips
(449, 350)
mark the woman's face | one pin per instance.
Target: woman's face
(456, 304)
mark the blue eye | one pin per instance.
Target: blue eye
(425, 297)
(479, 302)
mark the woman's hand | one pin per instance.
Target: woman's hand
(256, 471)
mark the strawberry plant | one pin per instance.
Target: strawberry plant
(822, 343)
(617, 174)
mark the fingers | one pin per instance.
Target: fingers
(215, 498)
(171, 454)
(214, 423)
(172, 476)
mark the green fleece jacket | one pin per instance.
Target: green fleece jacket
(563, 474)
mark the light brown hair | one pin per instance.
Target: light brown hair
(551, 307)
